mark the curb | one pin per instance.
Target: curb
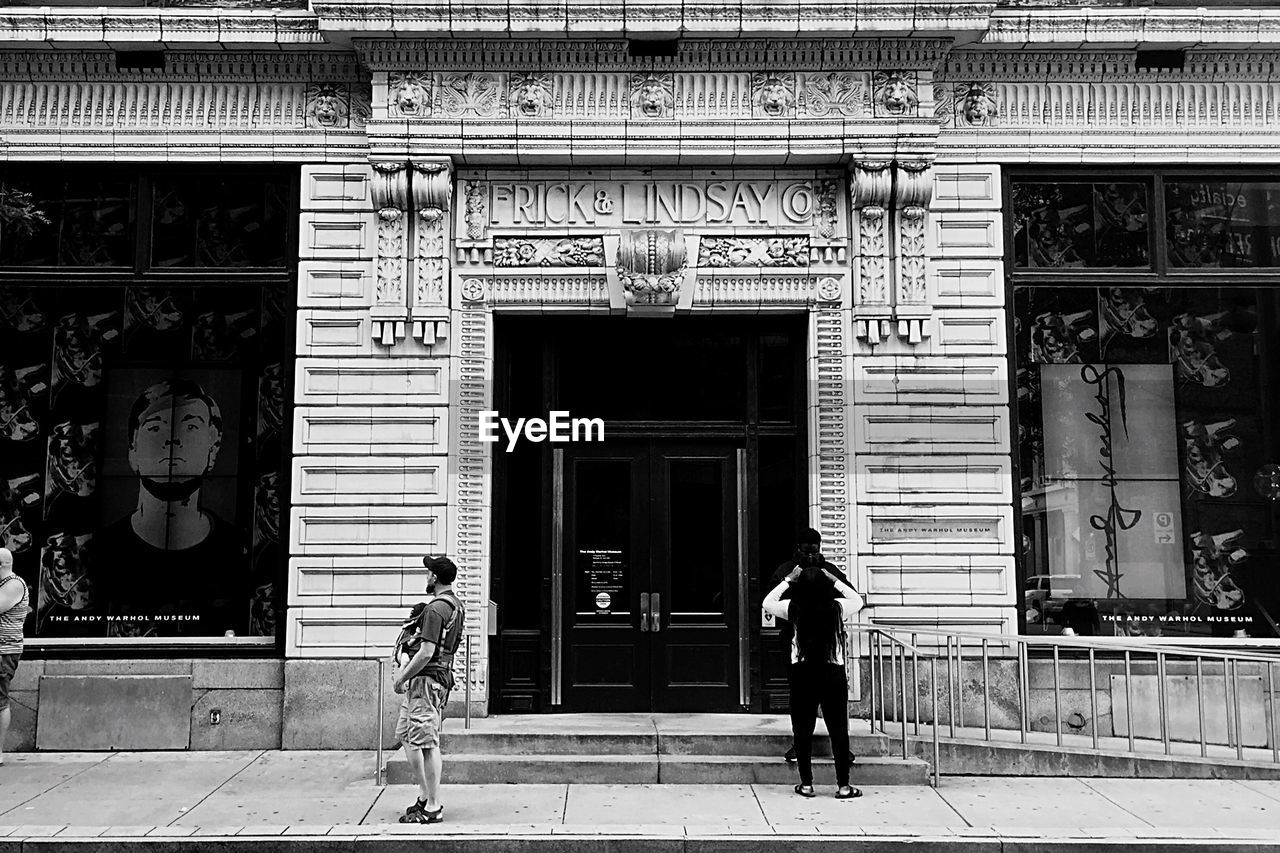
(406, 839)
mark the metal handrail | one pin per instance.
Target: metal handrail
(1149, 646)
(898, 650)
(972, 649)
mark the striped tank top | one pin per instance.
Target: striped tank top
(11, 620)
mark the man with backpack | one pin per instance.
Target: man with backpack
(425, 682)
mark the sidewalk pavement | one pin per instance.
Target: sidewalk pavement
(327, 800)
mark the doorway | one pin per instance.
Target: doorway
(651, 575)
(628, 572)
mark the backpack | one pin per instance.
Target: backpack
(451, 634)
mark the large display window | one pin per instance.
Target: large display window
(1148, 408)
(143, 412)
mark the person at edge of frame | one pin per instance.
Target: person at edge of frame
(15, 602)
(808, 551)
(817, 605)
(425, 682)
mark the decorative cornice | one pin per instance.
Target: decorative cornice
(1176, 27)
(213, 65)
(658, 18)
(160, 28)
(692, 55)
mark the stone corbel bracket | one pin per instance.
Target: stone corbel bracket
(390, 310)
(651, 272)
(871, 189)
(432, 188)
(912, 190)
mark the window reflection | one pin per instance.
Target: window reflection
(1223, 223)
(1140, 433)
(1061, 225)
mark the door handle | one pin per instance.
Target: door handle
(644, 612)
(655, 612)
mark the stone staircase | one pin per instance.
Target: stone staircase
(689, 749)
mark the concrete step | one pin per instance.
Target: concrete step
(460, 741)
(744, 769)
(478, 769)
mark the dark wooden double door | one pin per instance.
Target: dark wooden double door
(651, 576)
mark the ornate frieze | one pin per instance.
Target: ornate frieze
(531, 95)
(83, 91)
(664, 243)
(1066, 91)
(753, 252)
(548, 252)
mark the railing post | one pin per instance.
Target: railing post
(1163, 695)
(1093, 700)
(1204, 746)
(871, 686)
(951, 692)
(893, 678)
(1271, 695)
(986, 692)
(1235, 697)
(1226, 695)
(382, 689)
(1057, 696)
(933, 686)
(1128, 696)
(915, 679)
(1024, 687)
(902, 659)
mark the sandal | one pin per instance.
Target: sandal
(418, 805)
(847, 792)
(423, 816)
(805, 790)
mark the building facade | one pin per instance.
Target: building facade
(985, 292)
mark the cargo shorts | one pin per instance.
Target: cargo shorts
(421, 713)
(8, 666)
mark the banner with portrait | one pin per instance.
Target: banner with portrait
(141, 434)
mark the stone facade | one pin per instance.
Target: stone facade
(898, 125)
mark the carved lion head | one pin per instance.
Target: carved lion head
(328, 106)
(897, 93)
(773, 95)
(652, 96)
(531, 96)
(979, 105)
(409, 94)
